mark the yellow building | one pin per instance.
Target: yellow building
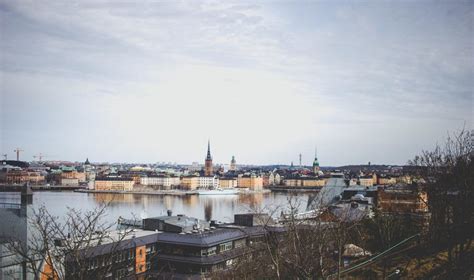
(190, 182)
(304, 182)
(113, 184)
(368, 180)
(20, 177)
(386, 180)
(73, 174)
(228, 182)
(252, 182)
(313, 182)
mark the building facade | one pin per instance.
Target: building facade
(227, 182)
(165, 181)
(113, 184)
(252, 182)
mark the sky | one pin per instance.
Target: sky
(148, 82)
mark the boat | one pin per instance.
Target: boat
(217, 191)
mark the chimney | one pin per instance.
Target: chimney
(169, 212)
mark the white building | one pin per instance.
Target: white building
(274, 179)
(162, 181)
(206, 182)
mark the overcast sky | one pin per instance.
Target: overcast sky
(364, 81)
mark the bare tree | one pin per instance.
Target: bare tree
(64, 247)
(449, 175)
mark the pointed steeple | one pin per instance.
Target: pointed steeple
(316, 162)
(208, 157)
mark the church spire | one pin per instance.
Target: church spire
(208, 170)
(316, 162)
(208, 157)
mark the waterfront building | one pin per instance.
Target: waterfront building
(69, 182)
(252, 182)
(208, 169)
(15, 176)
(190, 182)
(233, 166)
(165, 181)
(208, 182)
(113, 184)
(90, 173)
(304, 181)
(274, 179)
(71, 173)
(228, 182)
(313, 182)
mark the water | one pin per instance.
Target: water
(221, 208)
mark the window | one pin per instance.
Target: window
(225, 246)
(209, 251)
(121, 273)
(150, 249)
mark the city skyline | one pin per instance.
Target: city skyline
(152, 82)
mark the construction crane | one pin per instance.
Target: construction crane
(17, 151)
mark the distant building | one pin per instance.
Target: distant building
(386, 180)
(252, 181)
(316, 168)
(233, 166)
(193, 182)
(228, 182)
(113, 184)
(21, 176)
(274, 179)
(208, 182)
(69, 182)
(402, 199)
(368, 180)
(165, 181)
(308, 181)
(189, 182)
(71, 173)
(208, 169)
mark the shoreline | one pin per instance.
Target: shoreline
(164, 192)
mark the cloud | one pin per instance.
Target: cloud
(151, 81)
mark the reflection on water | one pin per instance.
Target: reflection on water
(219, 207)
(208, 210)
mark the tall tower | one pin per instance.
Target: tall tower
(232, 164)
(208, 162)
(316, 162)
